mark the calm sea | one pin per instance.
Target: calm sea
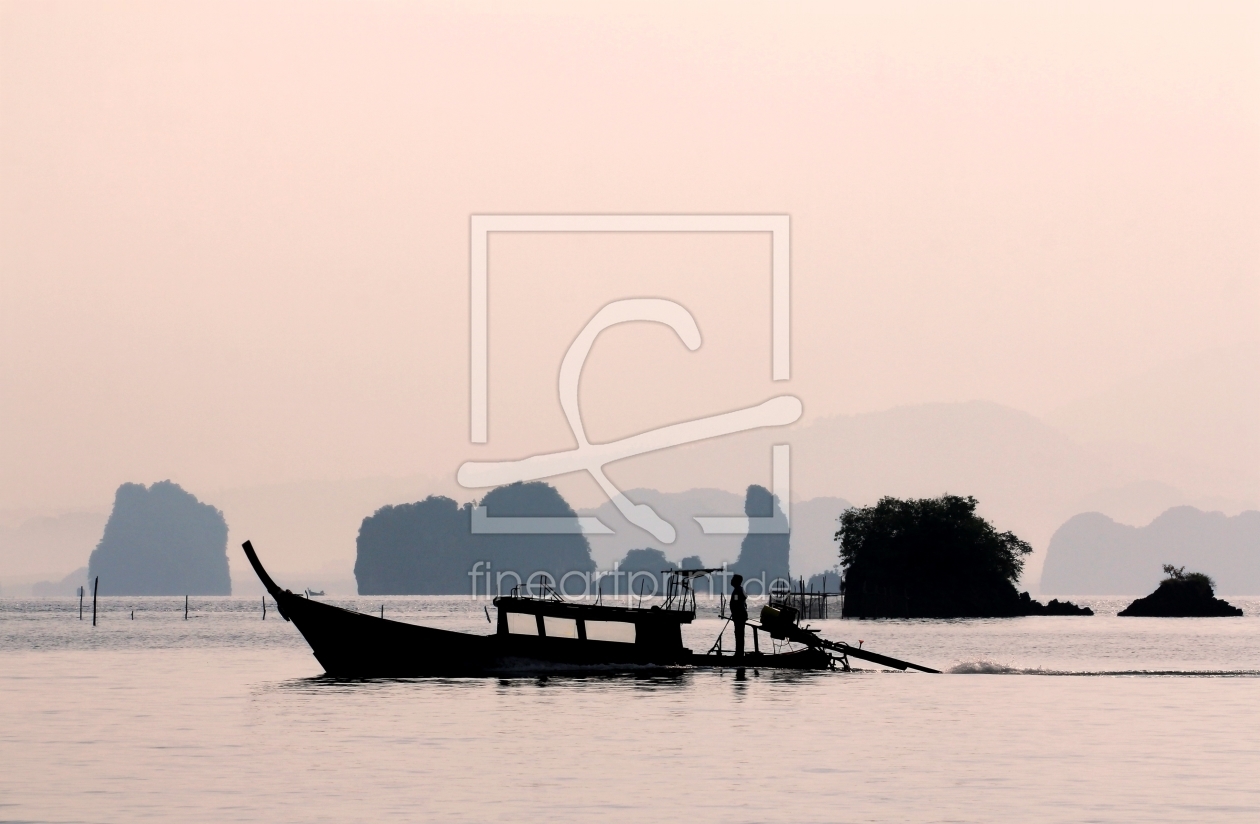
(223, 717)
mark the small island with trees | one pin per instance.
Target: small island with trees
(933, 558)
(1182, 595)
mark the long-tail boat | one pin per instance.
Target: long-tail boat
(546, 633)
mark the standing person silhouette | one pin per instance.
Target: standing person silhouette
(739, 612)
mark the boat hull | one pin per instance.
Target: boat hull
(351, 644)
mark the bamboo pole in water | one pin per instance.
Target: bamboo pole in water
(185, 607)
(80, 602)
(264, 607)
(94, 583)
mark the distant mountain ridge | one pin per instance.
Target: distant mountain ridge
(1028, 476)
(1093, 555)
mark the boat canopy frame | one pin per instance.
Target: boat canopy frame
(680, 593)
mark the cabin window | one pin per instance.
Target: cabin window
(560, 627)
(522, 623)
(619, 631)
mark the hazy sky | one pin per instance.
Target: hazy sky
(235, 243)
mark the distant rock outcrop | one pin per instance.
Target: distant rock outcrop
(424, 548)
(1093, 555)
(161, 541)
(1182, 595)
(679, 509)
(428, 548)
(763, 556)
(812, 546)
(643, 571)
(1055, 607)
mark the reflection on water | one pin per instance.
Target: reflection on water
(225, 717)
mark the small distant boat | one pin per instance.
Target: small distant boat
(546, 633)
(310, 593)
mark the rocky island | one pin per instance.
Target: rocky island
(763, 555)
(429, 548)
(161, 540)
(1182, 595)
(1055, 607)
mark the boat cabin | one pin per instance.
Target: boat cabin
(647, 635)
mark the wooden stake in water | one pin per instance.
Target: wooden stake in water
(80, 602)
(185, 607)
(95, 581)
(264, 607)
(382, 612)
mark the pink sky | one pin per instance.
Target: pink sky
(235, 235)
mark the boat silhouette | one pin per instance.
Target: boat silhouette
(546, 633)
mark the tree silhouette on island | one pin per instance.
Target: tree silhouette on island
(933, 558)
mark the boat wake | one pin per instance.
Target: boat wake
(994, 668)
(987, 668)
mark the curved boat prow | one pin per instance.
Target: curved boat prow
(350, 644)
(272, 588)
